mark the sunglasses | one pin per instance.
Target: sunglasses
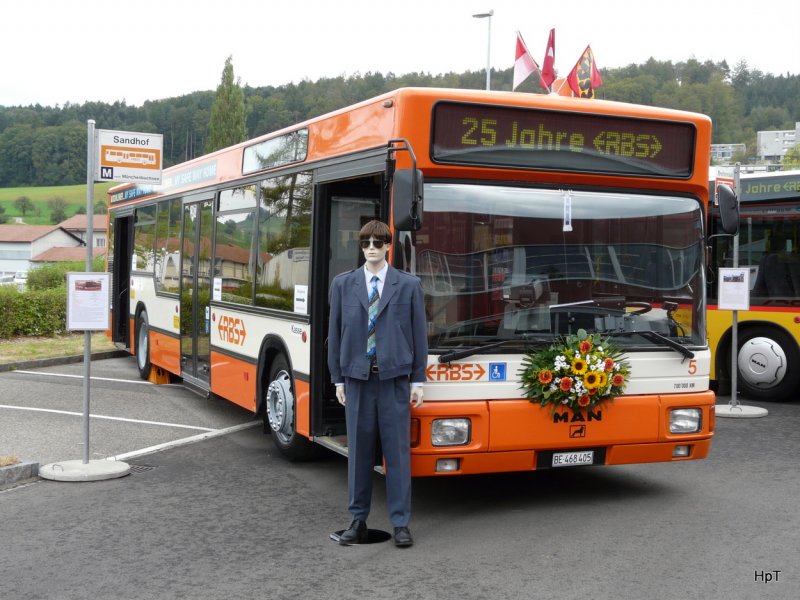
(377, 243)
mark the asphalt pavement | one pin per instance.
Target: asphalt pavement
(228, 517)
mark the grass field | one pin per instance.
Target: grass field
(32, 348)
(74, 196)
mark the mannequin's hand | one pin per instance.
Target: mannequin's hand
(416, 396)
(340, 394)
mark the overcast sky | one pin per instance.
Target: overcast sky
(58, 51)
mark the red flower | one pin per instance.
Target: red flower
(584, 400)
(545, 376)
(593, 391)
(617, 380)
(585, 346)
(608, 364)
(566, 384)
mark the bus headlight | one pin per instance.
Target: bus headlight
(685, 420)
(450, 432)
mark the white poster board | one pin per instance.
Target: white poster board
(734, 289)
(88, 301)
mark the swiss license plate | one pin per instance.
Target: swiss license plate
(572, 459)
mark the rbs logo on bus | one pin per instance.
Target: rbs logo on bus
(232, 330)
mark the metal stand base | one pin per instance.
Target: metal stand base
(77, 470)
(739, 411)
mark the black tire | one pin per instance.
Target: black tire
(143, 346)
(280, 412)
(768, 365)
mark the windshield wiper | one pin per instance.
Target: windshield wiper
(458, 354)
(656, 337)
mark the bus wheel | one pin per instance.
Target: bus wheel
(280, 413)
(769, 365)
(143, 346)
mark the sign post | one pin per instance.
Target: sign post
(734, 294)
(110, 156)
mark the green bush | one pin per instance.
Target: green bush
(54, 275)
(32, 312)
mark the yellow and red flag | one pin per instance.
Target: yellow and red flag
(585, 76)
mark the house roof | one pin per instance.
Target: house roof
(25, 233)
(78, 222)
(66, 254)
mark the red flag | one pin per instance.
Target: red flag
(585, 77)
(549, 71)
(524, 64)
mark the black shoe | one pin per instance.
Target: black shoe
(402, 537)
(355, 534)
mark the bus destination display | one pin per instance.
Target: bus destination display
(563, 141)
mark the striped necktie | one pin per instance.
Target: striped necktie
(374, 297)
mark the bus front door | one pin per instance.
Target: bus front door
(196, 293)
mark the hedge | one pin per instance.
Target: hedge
(54, 275)
(32, 312)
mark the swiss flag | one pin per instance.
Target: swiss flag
(524, 65)
(549, 70)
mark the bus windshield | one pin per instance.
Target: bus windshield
(511, 263)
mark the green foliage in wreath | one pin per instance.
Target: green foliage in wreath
(579, 371)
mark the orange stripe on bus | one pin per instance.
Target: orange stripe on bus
(302, 393)
(165, 352)
(234, 380)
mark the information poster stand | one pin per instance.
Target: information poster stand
(734, 295)
(88, 305)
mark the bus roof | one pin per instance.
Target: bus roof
(371, 123)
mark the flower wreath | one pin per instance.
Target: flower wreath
(579, 371)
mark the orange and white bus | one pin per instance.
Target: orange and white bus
(526, 218)
(768, 340)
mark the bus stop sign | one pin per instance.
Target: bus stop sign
(128, 156)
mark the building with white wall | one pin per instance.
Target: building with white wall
(21, 243)
(773, 145)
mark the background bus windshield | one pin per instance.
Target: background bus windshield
(501, 263)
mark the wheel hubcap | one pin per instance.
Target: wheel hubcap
(762, 362)
(280, 405)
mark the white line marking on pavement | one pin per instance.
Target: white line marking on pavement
(79, 414)
(184, 441)
(81, 377)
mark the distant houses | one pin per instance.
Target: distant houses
(23, 247)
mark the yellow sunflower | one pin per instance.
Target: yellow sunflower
(591, 380)
(603, 379)
(579, 366)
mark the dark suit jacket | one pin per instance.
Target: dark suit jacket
(400, 329)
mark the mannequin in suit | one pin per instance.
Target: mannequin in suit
(377, 354)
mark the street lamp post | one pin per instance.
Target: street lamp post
(488, 17)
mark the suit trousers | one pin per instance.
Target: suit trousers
(379, 407)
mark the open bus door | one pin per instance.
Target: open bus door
(120, 267)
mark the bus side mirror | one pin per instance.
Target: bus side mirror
(407, 196)
(728, 209)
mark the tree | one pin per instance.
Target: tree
(23, 204)
(58, 210)
(228, 118)
(791, 159)
(3, 217)
(100, 207)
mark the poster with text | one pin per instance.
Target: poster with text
(734, 289)
(88, 301)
